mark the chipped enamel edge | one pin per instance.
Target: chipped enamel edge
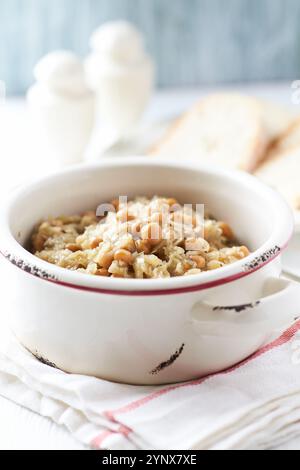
(163, 365)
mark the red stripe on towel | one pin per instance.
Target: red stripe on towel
(98, 440)
(283, 339)
(125, 431)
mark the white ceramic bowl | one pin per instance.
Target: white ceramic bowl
(150, 331)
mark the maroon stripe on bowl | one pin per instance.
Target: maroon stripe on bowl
(264, 260)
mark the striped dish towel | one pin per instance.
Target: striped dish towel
(254, 405)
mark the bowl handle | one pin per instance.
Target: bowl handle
(276, 310)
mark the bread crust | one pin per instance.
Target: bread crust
(281, 143)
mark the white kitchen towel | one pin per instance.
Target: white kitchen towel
(254, 405)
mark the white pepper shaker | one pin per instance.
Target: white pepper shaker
(121, 74)
(63, 106)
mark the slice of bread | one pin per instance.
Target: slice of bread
(225, 129)
(282, 173)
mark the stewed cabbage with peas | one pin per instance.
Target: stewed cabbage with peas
(142, 239)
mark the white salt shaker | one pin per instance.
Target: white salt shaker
(122, 75)
(62, 105)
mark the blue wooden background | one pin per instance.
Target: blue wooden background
(193, 41)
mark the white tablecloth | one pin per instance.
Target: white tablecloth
(21, 156)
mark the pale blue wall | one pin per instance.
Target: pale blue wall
(193, 41)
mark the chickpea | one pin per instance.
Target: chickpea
(119, 269)
(171, 202)
(105, 259)
(96, 242)
(152, 233)
(73, 247)
(199, 260)
(102, 272)
(187, 266)
(39, 242)
(207, 232)
(214, 264)
(245, 252)
(56, 223)
(197, 244)
(124, 255)
(192, 272)
(226, 230)
(135, 227)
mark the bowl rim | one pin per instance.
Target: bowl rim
(14, 252)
